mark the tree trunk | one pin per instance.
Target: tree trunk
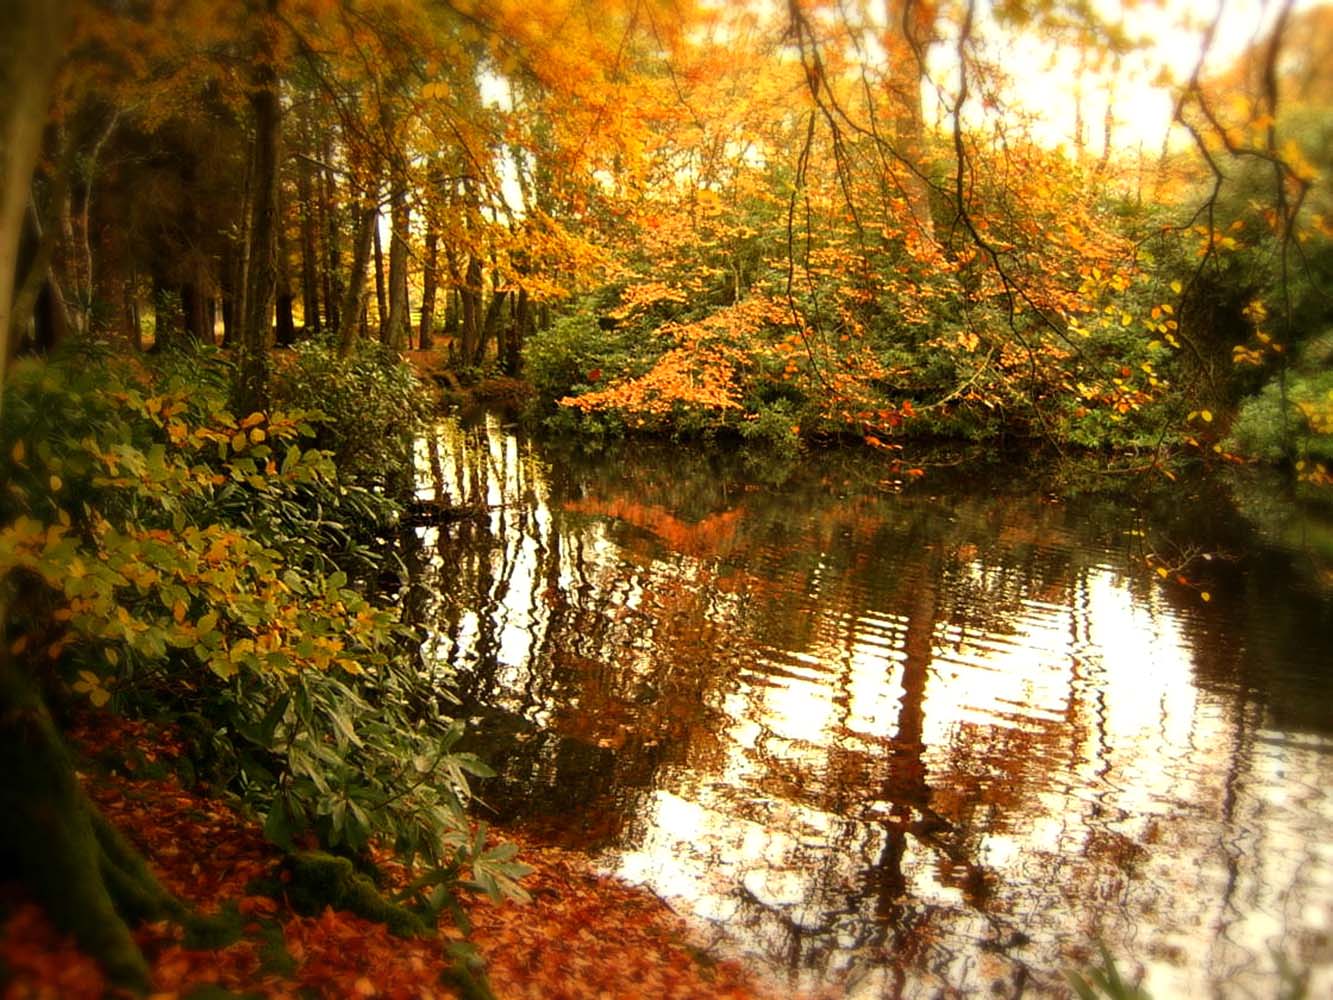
(50, 317)
(354, 299)
(490, 327)
(194, 313)
(166, 314)
(911, 24)
(381, 307)
(37, 249)
(230, 272)
(251, 390)
(32, 36)
(229, 333)
(328, 214)
(469, 296)
(511, 362)
(284, 323)
(84, 290)
(430, 278)
(240, 251)
(452, 313)
(48, 826)
(399, 320)
(129, 315)
(77, 280)
(309, 253)
(284, 326)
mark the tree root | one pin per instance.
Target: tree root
(316, 879)
(49, 835)
(92, 882)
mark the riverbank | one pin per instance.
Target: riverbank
(583, 935)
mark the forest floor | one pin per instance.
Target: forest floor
(584, 936)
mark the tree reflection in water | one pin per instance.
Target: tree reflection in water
(912, 745)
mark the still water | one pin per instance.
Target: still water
(936, 742)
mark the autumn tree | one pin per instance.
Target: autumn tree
(1256, 302)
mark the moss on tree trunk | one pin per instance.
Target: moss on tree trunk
(86, 875)
(317, 879)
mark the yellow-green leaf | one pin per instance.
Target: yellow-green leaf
(223, 667)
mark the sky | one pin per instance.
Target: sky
(1043, 73)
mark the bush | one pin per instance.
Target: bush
(776, 426)
(1303, 429)
(368, 406)
(575, 355)
(164, 557)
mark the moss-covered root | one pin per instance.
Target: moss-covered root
(47, 832)
(135, 890)
(467, 974)
(316, 880)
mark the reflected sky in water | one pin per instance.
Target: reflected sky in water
(906, 745)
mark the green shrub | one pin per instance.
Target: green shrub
(1259, 429)
(776, 426)
(1302, 429)
(575, 355)
(368, 406)
(161, 555)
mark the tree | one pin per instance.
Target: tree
(261, 270)
(32, 39)
(909, 30)
(367, 220)
(398, 321)
(80, 869)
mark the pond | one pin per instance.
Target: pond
(940, 738)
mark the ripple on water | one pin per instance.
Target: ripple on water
(909, 747)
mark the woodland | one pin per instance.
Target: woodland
(247, 249)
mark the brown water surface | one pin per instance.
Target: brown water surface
(938, 742)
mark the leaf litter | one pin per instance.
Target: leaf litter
(584, 935)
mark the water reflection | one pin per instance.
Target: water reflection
(908, 745)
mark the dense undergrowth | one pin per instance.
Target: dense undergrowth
(1103, 323)
(581, 936)
(164, 558)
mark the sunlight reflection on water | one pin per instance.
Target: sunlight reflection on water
(904, 746)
